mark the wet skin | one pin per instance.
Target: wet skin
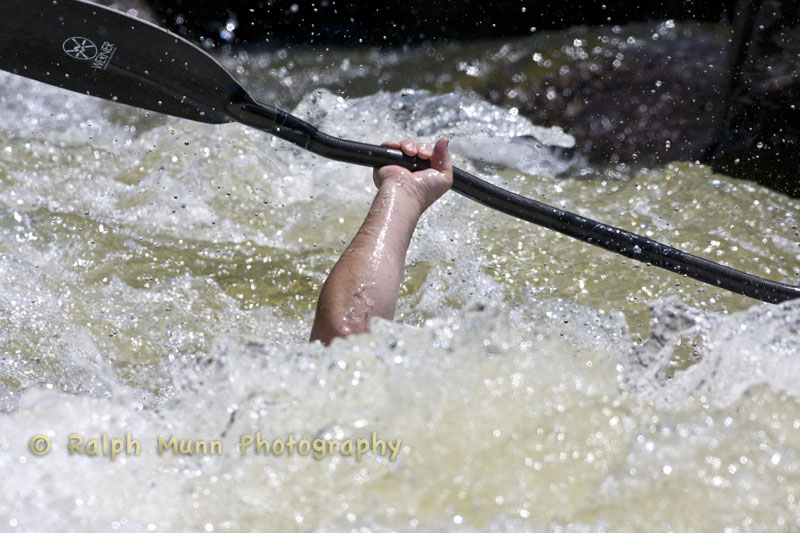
(365, 281)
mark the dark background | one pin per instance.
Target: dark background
(408, 21)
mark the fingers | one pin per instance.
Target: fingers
(406, 145)
(422, 150)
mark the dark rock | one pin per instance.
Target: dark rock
(759, 134)
(651, 102)
(730, 100)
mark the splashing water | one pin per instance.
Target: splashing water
(159, 279)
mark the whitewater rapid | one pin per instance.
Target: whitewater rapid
(160, 276)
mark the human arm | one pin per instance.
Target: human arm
(366, 279)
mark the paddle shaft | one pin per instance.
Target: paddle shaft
(290, 128)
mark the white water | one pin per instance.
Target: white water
(159, 278)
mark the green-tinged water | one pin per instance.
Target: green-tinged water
(159, 278)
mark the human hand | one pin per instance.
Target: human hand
(424, 186)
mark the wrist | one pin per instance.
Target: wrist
(403, 196)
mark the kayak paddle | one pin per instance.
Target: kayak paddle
(100, 52)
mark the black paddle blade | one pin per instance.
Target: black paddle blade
(93, 50)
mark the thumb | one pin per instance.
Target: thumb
(440, 159)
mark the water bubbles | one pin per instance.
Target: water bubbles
(470, 69)
(227, 32)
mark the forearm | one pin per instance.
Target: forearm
(366, 279)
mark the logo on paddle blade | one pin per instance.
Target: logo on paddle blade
(80, 48)
(84, 49)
